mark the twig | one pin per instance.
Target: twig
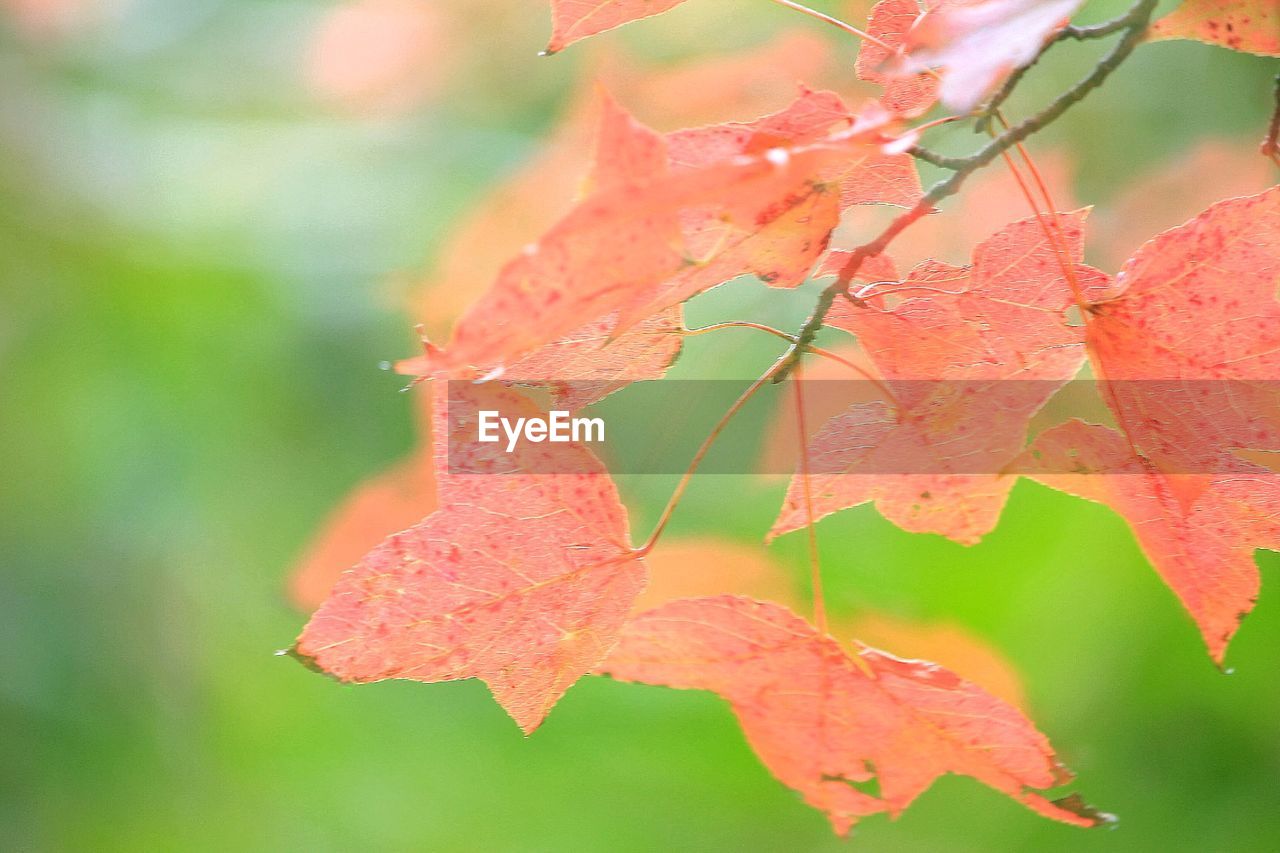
(987, 111)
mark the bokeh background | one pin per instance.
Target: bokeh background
(218, 217)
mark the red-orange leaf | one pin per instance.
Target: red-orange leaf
(781, 250)
(1202, 548)
(588, 364)
(633, 244)
(519, 579)
(1190, 340)
(907, 94)
(1252, 26)
(970, 354)
(576, 19)
(703, 566)
(830, 724)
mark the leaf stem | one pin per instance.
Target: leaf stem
(739, 324)
(701, 453)
(815, 561)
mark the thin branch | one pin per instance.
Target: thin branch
(942, 161)
(1094, 31)
(988, 111)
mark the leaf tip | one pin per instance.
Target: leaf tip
(1075, 805)
(305, 659)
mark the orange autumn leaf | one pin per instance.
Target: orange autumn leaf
(623, 247)
(1189, 341)
(877, 178)
(978, 44)
(948, 645)
(529, 201)
(1252, 26)
(782, 249)
(572, 20)
(828, 723)
(907, 94)
(969, 354)
(704, 565)
(589, 364)
(520, 579)
(1203, 549)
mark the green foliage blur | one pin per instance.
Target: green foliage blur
(203, 238)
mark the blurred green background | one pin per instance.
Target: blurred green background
(199, 221)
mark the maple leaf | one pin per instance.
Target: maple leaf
(1189, 341)
(782, 250)
(624, 245)
(978, 44)
(1252, 26)
(572, 20)
(1203, 549)
(827, 723)
(706, 566)
(908, 94)
(589, 364)
(969, 359)
(519, 579)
